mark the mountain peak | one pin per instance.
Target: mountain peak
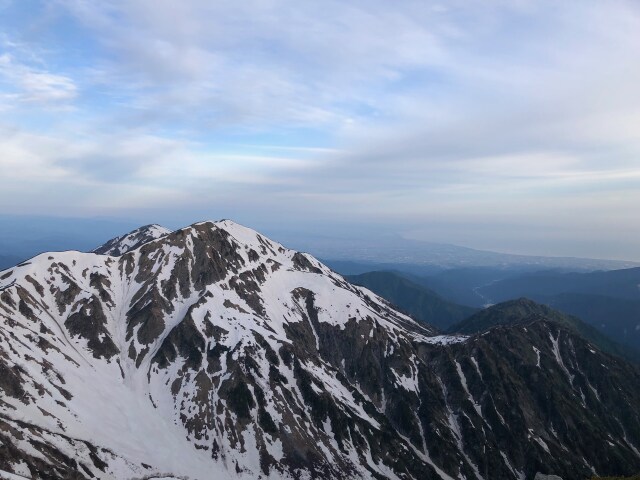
(242, 233)
(130, 241)
(518, 311)
(523, 306)
(223, 340)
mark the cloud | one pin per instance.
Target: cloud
(46, 87)
(400, 114)
(119, 159)
(28, 84)
(258, 64)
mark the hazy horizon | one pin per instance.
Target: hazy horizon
(25, 236)
(504, 126)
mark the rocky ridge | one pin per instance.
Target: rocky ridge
(130, 241)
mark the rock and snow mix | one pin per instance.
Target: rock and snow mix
(214, 352)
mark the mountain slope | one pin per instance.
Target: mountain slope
(196, 335)
(416, 300)
(618, 318)
(214, 352)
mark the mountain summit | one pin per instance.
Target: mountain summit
(215, 352)
(132, 240)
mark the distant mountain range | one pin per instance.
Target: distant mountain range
(214, 352)
(427, 306)
(610, 301)
(617, 283)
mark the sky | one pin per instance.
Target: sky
(505, 125)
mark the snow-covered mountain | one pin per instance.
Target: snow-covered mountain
(214, 352)
(129, 241)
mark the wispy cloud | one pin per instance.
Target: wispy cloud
(28, 84)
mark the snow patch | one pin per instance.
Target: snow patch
(445, 339)
(537, 351)
(463, 380)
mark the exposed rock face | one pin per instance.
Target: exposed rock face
(214, 352)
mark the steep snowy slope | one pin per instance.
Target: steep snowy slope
(214, 352)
